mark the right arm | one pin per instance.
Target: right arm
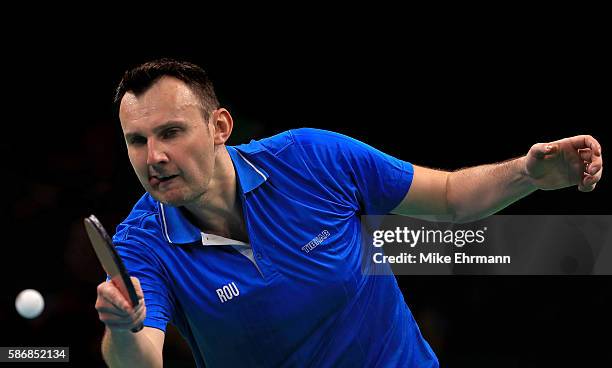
(477, 192)
(120, 346)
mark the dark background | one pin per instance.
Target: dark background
(444, 95)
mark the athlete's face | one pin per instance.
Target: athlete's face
(170, 144)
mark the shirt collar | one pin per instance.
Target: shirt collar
(249, 175)
(178, 229)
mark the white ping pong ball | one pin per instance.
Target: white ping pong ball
(29, 303)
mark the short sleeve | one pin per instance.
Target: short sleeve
(133, 246)
(375, 179)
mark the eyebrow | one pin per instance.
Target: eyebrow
(157, 129)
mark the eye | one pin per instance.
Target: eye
(170, 133)
(137, 140)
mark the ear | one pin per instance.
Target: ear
(223, 124)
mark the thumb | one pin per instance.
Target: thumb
(543, 150)
(137, 286)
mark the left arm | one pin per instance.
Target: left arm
(474, 193)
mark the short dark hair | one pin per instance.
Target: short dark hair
(140, 78)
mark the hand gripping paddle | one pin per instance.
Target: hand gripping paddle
(112, 264)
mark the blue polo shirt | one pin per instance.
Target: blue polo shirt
(295, 296)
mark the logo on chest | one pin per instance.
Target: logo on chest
(316, 241)
(228, 292)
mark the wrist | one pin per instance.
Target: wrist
(119, 333)
(525, 177)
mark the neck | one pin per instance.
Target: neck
(218, 211)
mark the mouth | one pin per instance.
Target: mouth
(159, 179)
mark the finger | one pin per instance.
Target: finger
(585, 185)
(586, 141)
(130, 318)
(111, 293)
(111, 309)
(596, 165)
(587, 188)
(138, 311)
(585, 154)
(105, 306)
(135, 309)
(140, 315)
(138, 288)
(125, 321)
(589, 182)
(112, 318)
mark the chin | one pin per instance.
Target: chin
(173, 200)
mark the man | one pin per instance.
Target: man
(253, 251)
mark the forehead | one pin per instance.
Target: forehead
(168, 98)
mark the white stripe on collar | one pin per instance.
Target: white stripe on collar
(253, 166)
(163, 213)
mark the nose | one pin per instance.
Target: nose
(155, 153)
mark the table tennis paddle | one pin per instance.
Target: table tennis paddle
(110, 260)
